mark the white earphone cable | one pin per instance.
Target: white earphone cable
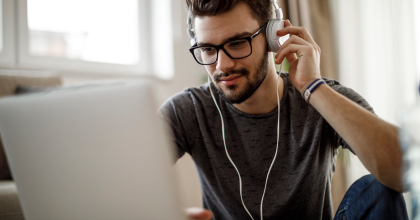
(277, 147)
(275, 155)
(224, 142)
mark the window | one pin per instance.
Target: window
(1, 26)
(89, 30)
(82, 36)
(105, 37)
(416, 14)
(7, 34)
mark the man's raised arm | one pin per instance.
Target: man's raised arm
(373, 140)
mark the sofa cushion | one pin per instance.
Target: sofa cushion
(11, 79)
(10, 208)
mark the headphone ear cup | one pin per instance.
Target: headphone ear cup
(273, 42)
(191, 35)
(190, 31)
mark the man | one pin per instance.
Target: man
(299, 184)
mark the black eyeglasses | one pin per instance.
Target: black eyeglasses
(235, 49)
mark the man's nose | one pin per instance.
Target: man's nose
(224, 63)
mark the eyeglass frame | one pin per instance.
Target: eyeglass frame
(221, 46)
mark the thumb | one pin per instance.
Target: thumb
(282, 32)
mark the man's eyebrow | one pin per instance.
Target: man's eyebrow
(236, 36)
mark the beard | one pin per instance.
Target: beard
(236, 95)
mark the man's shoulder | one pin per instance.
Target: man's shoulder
(187, 98)
(190, 93)
(330, 82)
(198, 91)
(346, 91)
(336, 85)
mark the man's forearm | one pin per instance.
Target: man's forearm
(373, 140)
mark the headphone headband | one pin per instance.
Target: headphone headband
(271, 30)
(277, 9)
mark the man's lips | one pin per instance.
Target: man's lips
(231, 80)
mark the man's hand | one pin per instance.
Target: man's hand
(199, 214)
(305, 68)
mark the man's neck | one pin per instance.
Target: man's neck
(264, 99)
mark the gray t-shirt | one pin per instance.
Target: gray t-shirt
(299, 185)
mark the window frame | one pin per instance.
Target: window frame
(8, 52)
(27, 61)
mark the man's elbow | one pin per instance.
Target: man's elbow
(392, 180)
(399, 189)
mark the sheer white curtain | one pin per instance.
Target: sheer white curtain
(375, 48)
(416, 7)
(376, 52)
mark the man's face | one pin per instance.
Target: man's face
(235, 79)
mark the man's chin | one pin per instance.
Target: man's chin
(232, 95)
(229, 89)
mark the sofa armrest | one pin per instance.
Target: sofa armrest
(9, 81)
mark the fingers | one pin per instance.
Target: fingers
(293, 40)
(291, 57)
(199, 214)
(290, 49)
(298, 31)
(300, 40)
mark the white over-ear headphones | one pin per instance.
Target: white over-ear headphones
(273, 40)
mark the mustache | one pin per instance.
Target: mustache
(241, 71)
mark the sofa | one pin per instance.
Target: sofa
(10, 81)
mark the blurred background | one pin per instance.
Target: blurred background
(371, 46)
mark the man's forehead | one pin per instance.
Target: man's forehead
(217, 29)
(210, 32)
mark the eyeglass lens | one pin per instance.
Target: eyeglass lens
(236, 49)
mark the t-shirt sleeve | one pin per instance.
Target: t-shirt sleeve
(355, 97)
(177, 113)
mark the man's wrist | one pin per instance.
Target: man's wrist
(309, 88)
(302, 91)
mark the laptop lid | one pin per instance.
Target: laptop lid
(90, 152)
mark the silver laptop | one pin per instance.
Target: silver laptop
(90, 152)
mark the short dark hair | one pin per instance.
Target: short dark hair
(261, 10)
